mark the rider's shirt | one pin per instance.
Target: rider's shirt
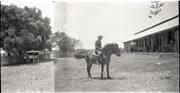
(98, 45)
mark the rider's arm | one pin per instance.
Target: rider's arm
(97, 47)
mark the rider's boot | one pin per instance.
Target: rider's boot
(99, 59)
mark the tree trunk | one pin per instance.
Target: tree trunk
(9, 53)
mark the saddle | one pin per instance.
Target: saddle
(95, 54)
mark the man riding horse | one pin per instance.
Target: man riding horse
(98, 48)
(100, 55)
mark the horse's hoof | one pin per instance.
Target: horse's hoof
(89, 77)
(108, 77)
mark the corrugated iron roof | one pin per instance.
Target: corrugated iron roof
(157, 24)
(166, 24)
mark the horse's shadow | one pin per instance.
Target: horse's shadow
(111, 78)
(99, 78)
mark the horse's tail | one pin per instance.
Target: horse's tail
(79, 56)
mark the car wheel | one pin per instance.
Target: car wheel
(28, 60)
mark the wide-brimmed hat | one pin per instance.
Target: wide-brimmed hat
(100, 36)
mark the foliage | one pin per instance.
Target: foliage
(64, 42)
(155, 8)
(23, 29)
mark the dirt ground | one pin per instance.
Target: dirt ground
(130, 73)
(28, 78)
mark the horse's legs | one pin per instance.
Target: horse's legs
(89, 64)
(102, 68)
(89, 70)
(107, 68)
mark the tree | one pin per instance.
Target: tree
(64, 42)
(23, 29)
(155, 8)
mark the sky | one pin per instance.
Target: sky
(116, 21)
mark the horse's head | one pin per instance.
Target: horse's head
(116, 50)
(113, 48)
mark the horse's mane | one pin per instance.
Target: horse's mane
(108, 47)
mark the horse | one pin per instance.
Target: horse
(107, 51)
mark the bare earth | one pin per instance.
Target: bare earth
(28, 78)
(130, 73)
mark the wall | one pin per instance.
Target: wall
(159, 42)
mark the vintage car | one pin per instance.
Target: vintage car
(31, 56)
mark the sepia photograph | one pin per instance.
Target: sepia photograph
(51, 46)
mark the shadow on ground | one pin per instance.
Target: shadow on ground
(111, 78)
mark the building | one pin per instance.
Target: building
(161, 37)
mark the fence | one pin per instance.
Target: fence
(14, 59)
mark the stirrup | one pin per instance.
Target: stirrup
(95, 62)
(95, 55)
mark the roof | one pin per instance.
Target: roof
(156, 24)
(162, 26)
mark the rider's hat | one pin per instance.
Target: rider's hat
(100, 36)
